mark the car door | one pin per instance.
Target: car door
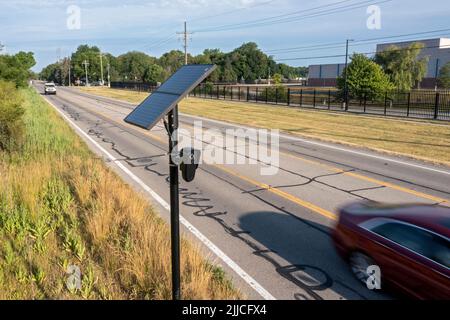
(416, 258)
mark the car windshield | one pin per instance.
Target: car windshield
(50, 85)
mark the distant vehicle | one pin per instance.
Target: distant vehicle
(409, 243)
(50, 88)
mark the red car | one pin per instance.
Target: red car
(409, 243)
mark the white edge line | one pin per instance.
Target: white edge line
(327, 146)
(211, 246)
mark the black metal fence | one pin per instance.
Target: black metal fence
(135, 86)
(419, 104)
(414, 104)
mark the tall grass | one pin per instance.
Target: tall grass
(62, 207)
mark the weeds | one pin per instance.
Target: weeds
(57, 211)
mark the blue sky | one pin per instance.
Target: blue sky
(120, 26)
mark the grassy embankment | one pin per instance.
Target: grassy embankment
(61, 206)
(419, 139)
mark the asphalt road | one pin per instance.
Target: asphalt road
(273, 230)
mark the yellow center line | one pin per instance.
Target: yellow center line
(365, 178)
(280, 193)
(372, 180)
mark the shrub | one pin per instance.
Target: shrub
(365, 79)
(11, 112)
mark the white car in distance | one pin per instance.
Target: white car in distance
(50, 88)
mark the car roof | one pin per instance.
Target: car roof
(435, 218)
(50, 84)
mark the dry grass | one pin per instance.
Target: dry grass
(61, 206)
(419, 139)
(126, 95)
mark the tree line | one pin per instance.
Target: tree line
(246, 64)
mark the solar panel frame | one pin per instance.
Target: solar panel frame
(147, 114)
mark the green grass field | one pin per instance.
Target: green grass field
(57, 211)
(424, 140)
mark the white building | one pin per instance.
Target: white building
(437, 51)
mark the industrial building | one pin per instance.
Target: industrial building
(437, 50)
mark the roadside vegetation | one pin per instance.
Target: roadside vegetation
(424, 140)
(61, 209)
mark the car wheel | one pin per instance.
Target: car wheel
(359, 264)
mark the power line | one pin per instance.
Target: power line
(278, 16)
(165, 40)
(333, 45)
(364, 53)
(276, 20)
(231, 11)
(159, 43)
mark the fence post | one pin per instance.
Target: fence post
(385, 103)
(248, 94)
(224, 93)
(276, 95)
(409, 104)
(239, 92)
(436, 106)
(329, 99)
(267, 95)
(289, 97)
(314, 98)
(301, 97)
(257, 93)
(231, 92)
(365, 102)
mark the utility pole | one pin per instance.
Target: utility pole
(86, 64)
(185, 35)
(345, 70)
(70, 70)
(268, 79)
(109, 75)
(101, 69)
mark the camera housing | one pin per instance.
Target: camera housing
(190, 160)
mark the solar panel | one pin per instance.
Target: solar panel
(168, 95)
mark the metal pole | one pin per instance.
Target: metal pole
(314, 98)
(174, 207)
(70, 67)
(109, 75)
(86, 69)
(101, 69)
(436, 106)
(345, 70)
(289, 97)
(185, 43)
